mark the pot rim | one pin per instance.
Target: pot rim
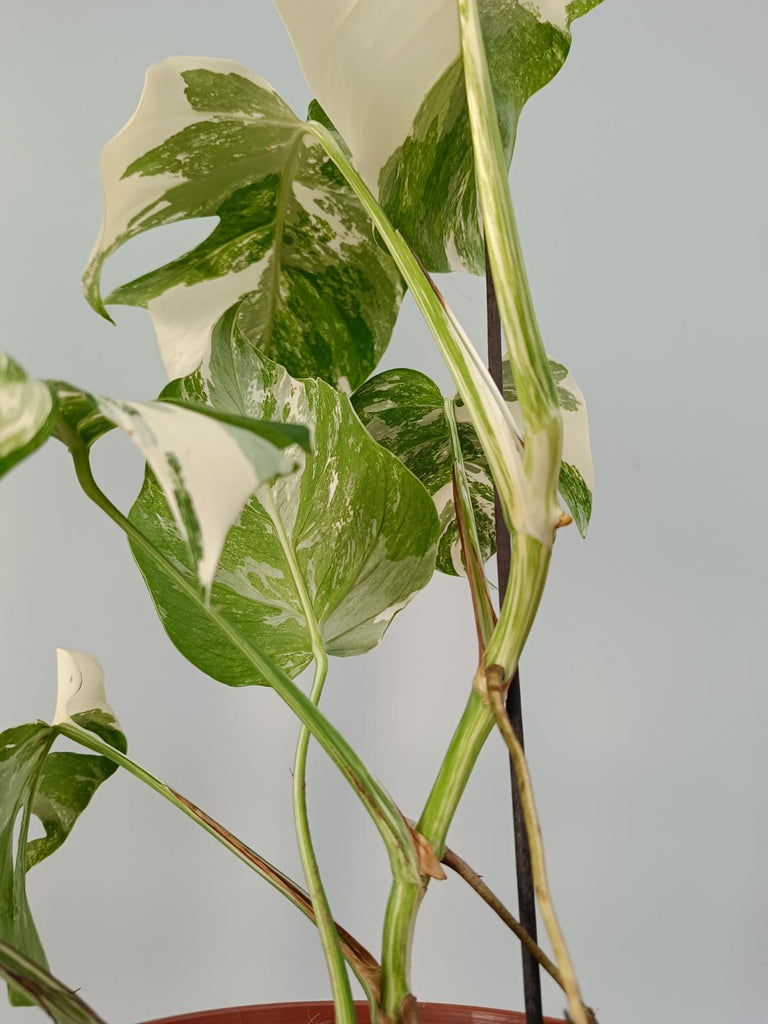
(453, 1013)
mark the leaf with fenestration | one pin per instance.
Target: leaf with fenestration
(336, 549)
(54, 788)
(404, 411)
(207, 463)
(389, 75)
(211, 139)
(28, 413)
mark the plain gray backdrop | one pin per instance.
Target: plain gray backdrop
(640, 185)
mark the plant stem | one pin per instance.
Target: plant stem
(526, 897)
(471, 733)
(576, 1007)
(527, 487)
(380, 806)
(342, 994)
(543, 442)
(526, 893)
(487, 409)
(343, 1003)
(470, 876)
(31, 981)
(362, 962)
(485, 616)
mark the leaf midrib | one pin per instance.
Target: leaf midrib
(281, 211)
(267, 501)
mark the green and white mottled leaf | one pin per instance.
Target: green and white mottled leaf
(389, 75)
(54, 788)
(334, 551)
(207, 463)
(404, 411)
(37, 987)
(28, 413)
(210, 138)
(577, 474)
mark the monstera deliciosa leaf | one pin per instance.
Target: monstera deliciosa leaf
(54, 788)
(389, 75)
(331, 552)
(209, 138)
(28, 413)
(405, 412)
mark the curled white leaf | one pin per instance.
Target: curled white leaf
(207, 470)
(80, 686)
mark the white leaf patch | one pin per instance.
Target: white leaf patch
(163, 109)
(183, 317)
(553, 11)
(80, 686)
(370, 63)
(577, 450)
(207, 470)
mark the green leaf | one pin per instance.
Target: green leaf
(31, 982)
(208, 462)
(330, 553)
(28, 413)
(55, 788)
(390, 77)
(209, 138)
(404, 411)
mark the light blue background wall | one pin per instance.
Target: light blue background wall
(640, 185)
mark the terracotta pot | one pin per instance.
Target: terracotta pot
(322, 1013)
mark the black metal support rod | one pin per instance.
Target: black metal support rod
(526, 897)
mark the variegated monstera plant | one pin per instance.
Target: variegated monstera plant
(293, 503)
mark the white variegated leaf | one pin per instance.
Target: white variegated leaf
(54, 788)
(207, 464)
(207, 470)
(331, 552)
(211, 139)
(28, 413)
(404, 411)
(388, 73)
